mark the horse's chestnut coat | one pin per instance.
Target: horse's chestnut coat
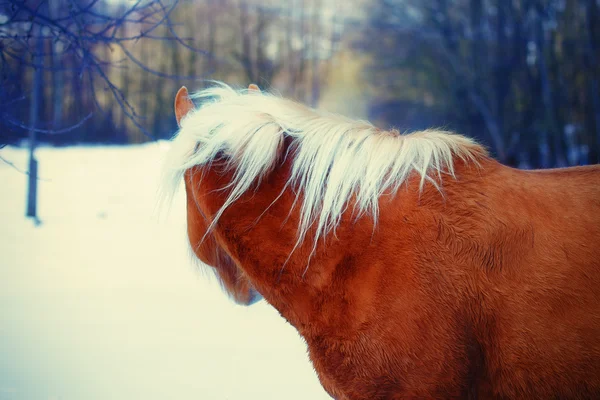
(487, 286)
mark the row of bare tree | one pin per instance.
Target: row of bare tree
(100, 71)
(521, 75)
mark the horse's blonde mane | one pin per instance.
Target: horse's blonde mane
(334, 157)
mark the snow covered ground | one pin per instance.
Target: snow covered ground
(102, 300)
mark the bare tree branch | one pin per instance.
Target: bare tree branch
(77, 32)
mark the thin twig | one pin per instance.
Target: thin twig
(11, 164)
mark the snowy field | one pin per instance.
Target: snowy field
(102, 300)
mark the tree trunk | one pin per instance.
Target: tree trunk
(58, 89)
(315, 92)
(594, 87)
(33, 120)
(551, 129)
(245, 57)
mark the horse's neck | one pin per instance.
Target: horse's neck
(345, 269)
(482, 221)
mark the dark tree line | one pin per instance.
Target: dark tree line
(520, 75)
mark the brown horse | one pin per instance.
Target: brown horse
(415, 266)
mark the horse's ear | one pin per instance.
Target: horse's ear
(253, 88)
(183, 104)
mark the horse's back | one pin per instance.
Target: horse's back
(565, 218)
(568, 216)
(545, 329)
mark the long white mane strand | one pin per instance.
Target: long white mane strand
(335, 157)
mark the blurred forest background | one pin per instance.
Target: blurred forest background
(521, 76)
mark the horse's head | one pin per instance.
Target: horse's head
(204, 244)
